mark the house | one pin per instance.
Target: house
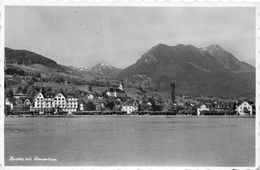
(27, 103)
(81, 105)
(42, 103)
(146, 105)
(90, 96)
(90, 106)
(9, 105)
(130, 106)
(201, 107)
(71, 104)
(65, 103)
(99, 104)
(244, 108)
(18, 106)
(56, 103)
(9, 102)
(20, 102)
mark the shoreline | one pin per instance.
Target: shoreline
(120, 116)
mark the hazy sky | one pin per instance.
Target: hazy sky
(85, 36)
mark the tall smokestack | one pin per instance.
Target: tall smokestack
(121, 86)
(173, 92)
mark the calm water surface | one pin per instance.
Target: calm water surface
(148, 141)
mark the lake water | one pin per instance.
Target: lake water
(130, 141)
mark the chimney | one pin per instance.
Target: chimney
(173, 92)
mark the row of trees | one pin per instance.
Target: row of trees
(16, 71)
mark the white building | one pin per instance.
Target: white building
(201, 108)
(41, 103)
(59, 103)
(90, 96)
(130, 106)
(244, 109)
(72, 104)
(9, 104)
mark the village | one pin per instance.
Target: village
(115, 101)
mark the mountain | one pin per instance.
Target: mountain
(228, 60)
(23, 57)
(210, 71)
(103, 70)
(18, 61)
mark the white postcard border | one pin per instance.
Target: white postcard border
(134, 3)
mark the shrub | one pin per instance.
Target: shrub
(231, 112)
(213, 112)
(187, 112)
(61, 113)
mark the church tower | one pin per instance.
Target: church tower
(121, 85)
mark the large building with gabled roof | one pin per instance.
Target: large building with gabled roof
(245, 108)
(132, 105)
(56, 103)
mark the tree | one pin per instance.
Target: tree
(30, 82)
(89, 88)
(38, 74)
(31, 91)
(9, 93)
(19, 89)
(90, 106)
(169, 107)
(110, 105)
(48, 91)
(152, 101)
(24, 91)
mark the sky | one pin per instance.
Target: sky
(86, 36)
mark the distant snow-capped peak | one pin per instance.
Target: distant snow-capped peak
(98, 67)
(104, 65)
(213, 47)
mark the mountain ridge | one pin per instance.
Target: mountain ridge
(103, 70)
(209, 71)
(195, 70)
(29, 58)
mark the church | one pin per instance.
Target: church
(117, 91)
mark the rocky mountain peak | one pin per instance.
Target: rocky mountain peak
(215, 46)
(102, 66)
(103, 69)
(208, 71)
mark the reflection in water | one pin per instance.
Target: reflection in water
(175, 122)
(132, 141)
(18, 130)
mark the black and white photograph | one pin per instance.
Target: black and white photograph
(146, 86)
